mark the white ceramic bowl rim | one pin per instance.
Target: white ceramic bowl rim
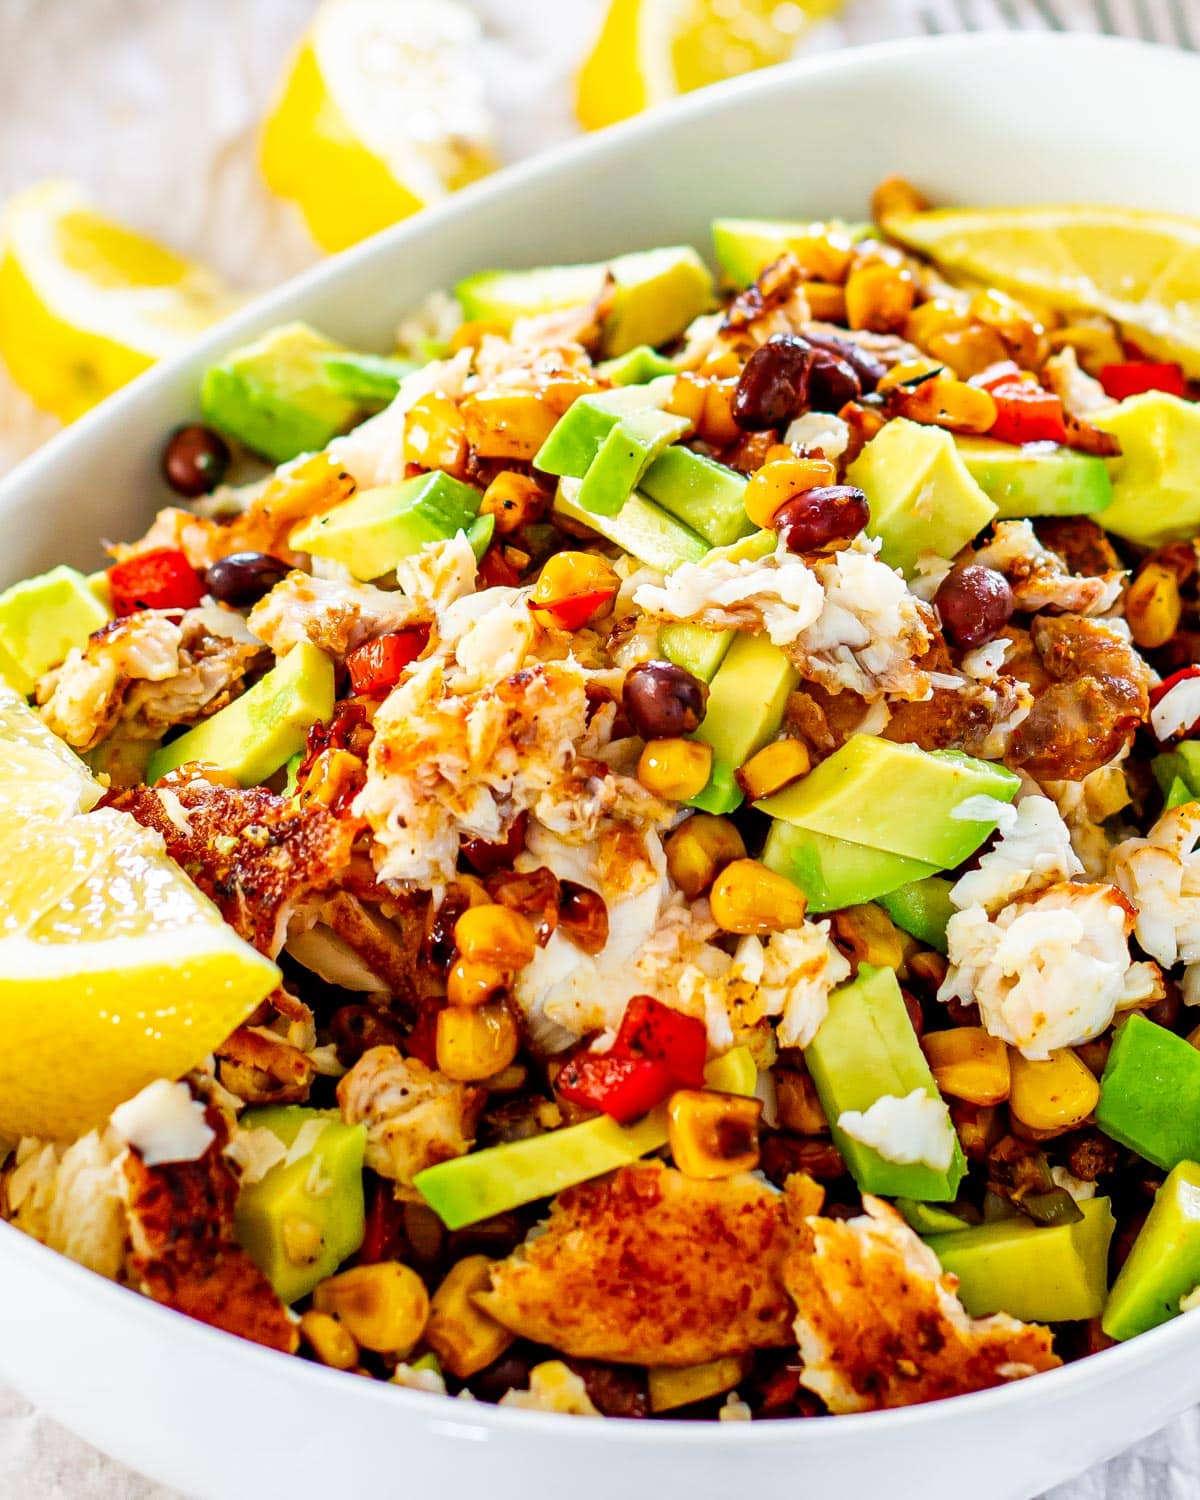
(1004, 50)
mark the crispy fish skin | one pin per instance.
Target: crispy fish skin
(651, 1267)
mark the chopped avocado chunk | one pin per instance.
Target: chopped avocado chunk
(833, 872)
(1150, 1093)
(1053, 1274)
(746, 700)
(366, 379)
(655, 294)
(275, 395)
(474, 1187)
(928, 1218)
(642, 528)
(866, 1048)
(699, 650)
(921, 497)
(1164, 1264)
(41, 619)
(623, 457)
(258, 732)
(576, 438)
(370, 533)
(317, 1186)
(744, 247)
(922, 908)
(636, 367)
(480, 533)
(1177, 794)
(851, 796)
(702, 493)
(1156, 480)
(1038, 479)
(1168, 769)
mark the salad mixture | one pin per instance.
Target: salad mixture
(653, 854)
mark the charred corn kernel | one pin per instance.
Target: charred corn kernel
(799, 1107)
(864, 422)
(435, 435)
(670, 1388)
(780, 453)
(928, 968)
(1094, 346)
(302, 1241)
(1105, 792)
(713, 1135)
(464, 1338)
(826, 302)
(331, 776)
(1152, 606)
(560, 387)
(909, 371)
(776, 483)
(716, 425)
(476, 1043)
(879, 297)
(869, 936)
(967, 351)
(1022, 333)
(471, 334)
(676, 769)
(687, 398)
(495, 935)
(306, 489)
(895, 195)
(773, 767)
(949, 403)
(514, 499)
(384, 1306)
(198, 770)
(470, 984)
(699, 850)
(826, 255)
(722, 365)
(1055, 1095)
(569, 575)
(968, 1064)
(507, 424)
(938, 315)
(332, 1343)
(749, 898)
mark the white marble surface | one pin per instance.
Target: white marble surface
(153, 105)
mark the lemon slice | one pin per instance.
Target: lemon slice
(1141, 269)
(38, 773)
(651, 50)
(86, 305)
(380, 113)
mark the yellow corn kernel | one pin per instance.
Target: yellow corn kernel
(968, 1064)
(562, 386)
(1152, 606)
(869, 936)
(471, 334)
(567, 575)
(331, 774)
(713, 1135)
(435, 436)
(799, 1107)
(826, 302)
(495, 935)
(699, 850)
(748, 898)
(773, 767)
(938, 315)
(967, 351)
(332, 1343)
(474, 1043)
(1056, 1095)
(507, 424)
(676, 769)
(776, 483)
(716, 424)
(384, 1306)
(687, 398)
(470, 984)
(895, 195)
(945, 402)
(307, 489)
(906, 370)
(1022, 333)
(464, 1338)
(879, 297)
(198, 770)
(1095, 345)
(669, 1387)
(514, 499)
(722, 364)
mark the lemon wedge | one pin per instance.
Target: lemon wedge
(114, 969)
(1140, 269)
(86, 305)
(380, 113)
(651, 50)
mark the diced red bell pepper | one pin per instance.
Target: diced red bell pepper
(375, 666)
(161, 579)
(383, 1238)
(653, 1030)
(574, 612)
(621, 1087)
(1138, 375)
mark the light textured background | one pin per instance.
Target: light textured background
(153, 105)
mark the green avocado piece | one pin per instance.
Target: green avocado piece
(928, 1218)
(256, 733)
(921, 496)
(1177, 794)
(576, 438)
(630, 448)
(1188, 752)
(700, 492)
(370, 533)
(1038, 479)
(41, 619)
(321, 1187)
(922, 909)
(1156, 480)
(698, 650)
(833, 872)
(866, 1048)
(1164, 1263)
(366, 379)
(744, 247)
(746, 700)
(637, 367)
(275, 395)
(1056, 1274)
(655, 294)
(642, 528)
(851, 795)
(1150, 1093)
(1167, 769)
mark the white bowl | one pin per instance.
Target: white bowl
(1000, 119)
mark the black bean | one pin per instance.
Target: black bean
(832, 382)
(826, 513)
(870, 371)
(975, 604)
(195, 460)
(773, 386)
(244, 577)
(662, 701)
